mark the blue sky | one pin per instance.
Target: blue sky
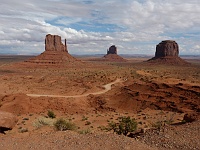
(92, 26)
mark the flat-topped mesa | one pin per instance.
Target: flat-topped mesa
(167, 48)
(112, 50)
(53, 43)
(167, 53)
(112, 55)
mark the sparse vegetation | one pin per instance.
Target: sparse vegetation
(87, 123)
(22, 130)
(62, 125)
(162, 122)
(87, 131)
(84, 118)
(51, 114)
(42, 121)
(124, 126)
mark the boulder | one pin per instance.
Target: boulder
(7, 121)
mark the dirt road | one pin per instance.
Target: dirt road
(107, 87)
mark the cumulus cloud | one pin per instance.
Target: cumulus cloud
(91, 26)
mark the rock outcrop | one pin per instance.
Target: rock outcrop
(112, 50)
(167, 53)
(53, 43)
(55, 53)
(167, 48)
(112, 55)
(7, 121)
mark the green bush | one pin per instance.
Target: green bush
(51, 114)
(124, 126)
(62, 125)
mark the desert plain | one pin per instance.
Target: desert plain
(93, 93)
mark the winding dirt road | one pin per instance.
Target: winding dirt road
(107, 88)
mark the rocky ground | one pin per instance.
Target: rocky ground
(70, 141)
(177, 137)
(148, 93)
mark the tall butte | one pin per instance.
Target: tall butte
(112, 55)
(55, 53)
(167, 53)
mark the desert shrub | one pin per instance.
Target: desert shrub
(87, 131)
(42, 121)
(159, 124)
(87, 123)
(84, 118)
(124, 126)
(51, 114)
(62, 125)
(23, 130)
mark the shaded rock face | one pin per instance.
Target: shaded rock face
(112, 55)
(53, 43)
(167, 48)
(7, 121)
(112, 50)
(167, 53)
(190, 117)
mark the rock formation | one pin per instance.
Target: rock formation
(167, 48)
(112, 55)
(53, 43)
(112, 50)
(167, 52)
(7, 121)
(55, 53)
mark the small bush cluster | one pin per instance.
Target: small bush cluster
(42, 121)
(87, 131)
(124, 126)
(51, 114)
(62, 125)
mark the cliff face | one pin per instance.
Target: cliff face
(53, 43)
(167, 53)
(112, 55)
(112, 50)
(55, 53)
(167, 48)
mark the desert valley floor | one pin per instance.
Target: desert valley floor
(94, 93)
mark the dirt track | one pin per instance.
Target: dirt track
(107, 88)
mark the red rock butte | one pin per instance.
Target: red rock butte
(167, 53)
(55, 53)
(112, 55)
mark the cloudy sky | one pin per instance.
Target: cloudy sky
(92, 26)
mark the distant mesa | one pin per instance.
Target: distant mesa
(55, 53)
(112, 50)
(112, 55)
(167, 53)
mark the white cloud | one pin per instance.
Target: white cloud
(141, 24)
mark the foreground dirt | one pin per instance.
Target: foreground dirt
(149, 93)
(70, 141)
(184, 137)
